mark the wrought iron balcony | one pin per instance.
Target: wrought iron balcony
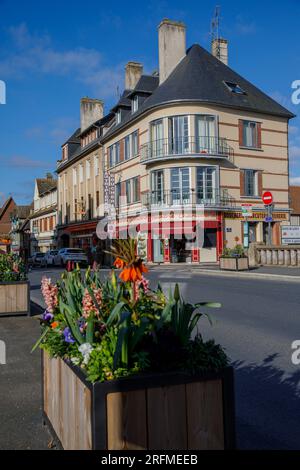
(213, 198)
(164, 149)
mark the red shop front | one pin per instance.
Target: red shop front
(186, 242)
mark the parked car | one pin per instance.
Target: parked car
(37, 259)
(50, 256)
(70, 254)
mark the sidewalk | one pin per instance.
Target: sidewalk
(20, 390)
(279, 273)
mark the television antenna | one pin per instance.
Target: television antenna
(215, 29)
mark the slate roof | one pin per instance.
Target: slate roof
(146, 84)
(45, 185)
(23, 212)
(124, 101)
(200, 76)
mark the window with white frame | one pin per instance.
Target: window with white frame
(250, 183)
(250, 134)
(206, 183)
(135, 104)
(74, 176)
(118, 116)
(81, 173)
(96, 165)
(134, 144)
(127, 153)
(180, 185)
(206, 133)
(128, 191)
(117, 153)
(178, 135)
(111, 155)
(135, 189)
(88, 169)
(157, 186)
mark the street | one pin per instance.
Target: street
(257, 323)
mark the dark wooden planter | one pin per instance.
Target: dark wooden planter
(234, 263)
(14, 298)
(153, 412)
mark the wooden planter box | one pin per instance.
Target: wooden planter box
(234, 264)
(158, 412)
(14, 298)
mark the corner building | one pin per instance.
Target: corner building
(194, 134)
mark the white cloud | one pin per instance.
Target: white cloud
(295, 180)
(35, 54)
(24, 162)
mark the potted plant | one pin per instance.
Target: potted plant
(14, 286)
(122, 369)
(234, 259)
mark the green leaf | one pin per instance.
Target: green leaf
(115, 313)
(43, 335)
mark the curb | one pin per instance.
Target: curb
(245, 275)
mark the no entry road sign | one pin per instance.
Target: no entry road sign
(267, 198)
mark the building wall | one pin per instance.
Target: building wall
(271, 160)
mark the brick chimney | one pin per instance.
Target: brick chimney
(91, 110)
(133, 72)
(171, 46)
(219, 49)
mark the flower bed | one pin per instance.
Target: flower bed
(14, 287)
(114, 343)
(234, 259)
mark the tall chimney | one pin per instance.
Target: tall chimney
(91, 110)
(133, 72)
(171, 46)
(219, 49)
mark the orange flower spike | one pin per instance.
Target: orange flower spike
(133, 274)
(125, 274)
(143, 268)
(54, 324)
(119, 263)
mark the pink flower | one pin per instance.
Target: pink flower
(88, 305)
(49, 292)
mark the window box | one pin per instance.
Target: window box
(234, 263)
(14, 298)
(169, 411)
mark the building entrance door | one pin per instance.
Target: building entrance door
(158, 250)
(208, 253)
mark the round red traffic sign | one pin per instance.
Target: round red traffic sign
(267, 198)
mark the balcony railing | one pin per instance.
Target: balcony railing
(213, 198)
(213, 147)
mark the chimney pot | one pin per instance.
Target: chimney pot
(133, 72)
(219, 49)
(91, 110)
(172, 46)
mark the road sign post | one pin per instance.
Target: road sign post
(267, 199)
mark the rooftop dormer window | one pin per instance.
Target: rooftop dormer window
(118, 116)
(135, 104)
(235, 88)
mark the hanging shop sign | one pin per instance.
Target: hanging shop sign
(247, 210)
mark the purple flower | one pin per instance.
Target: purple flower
(47, 316)
(68, 335)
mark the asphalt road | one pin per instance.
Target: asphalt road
(257, 323)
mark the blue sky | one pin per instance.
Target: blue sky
(54, 53)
